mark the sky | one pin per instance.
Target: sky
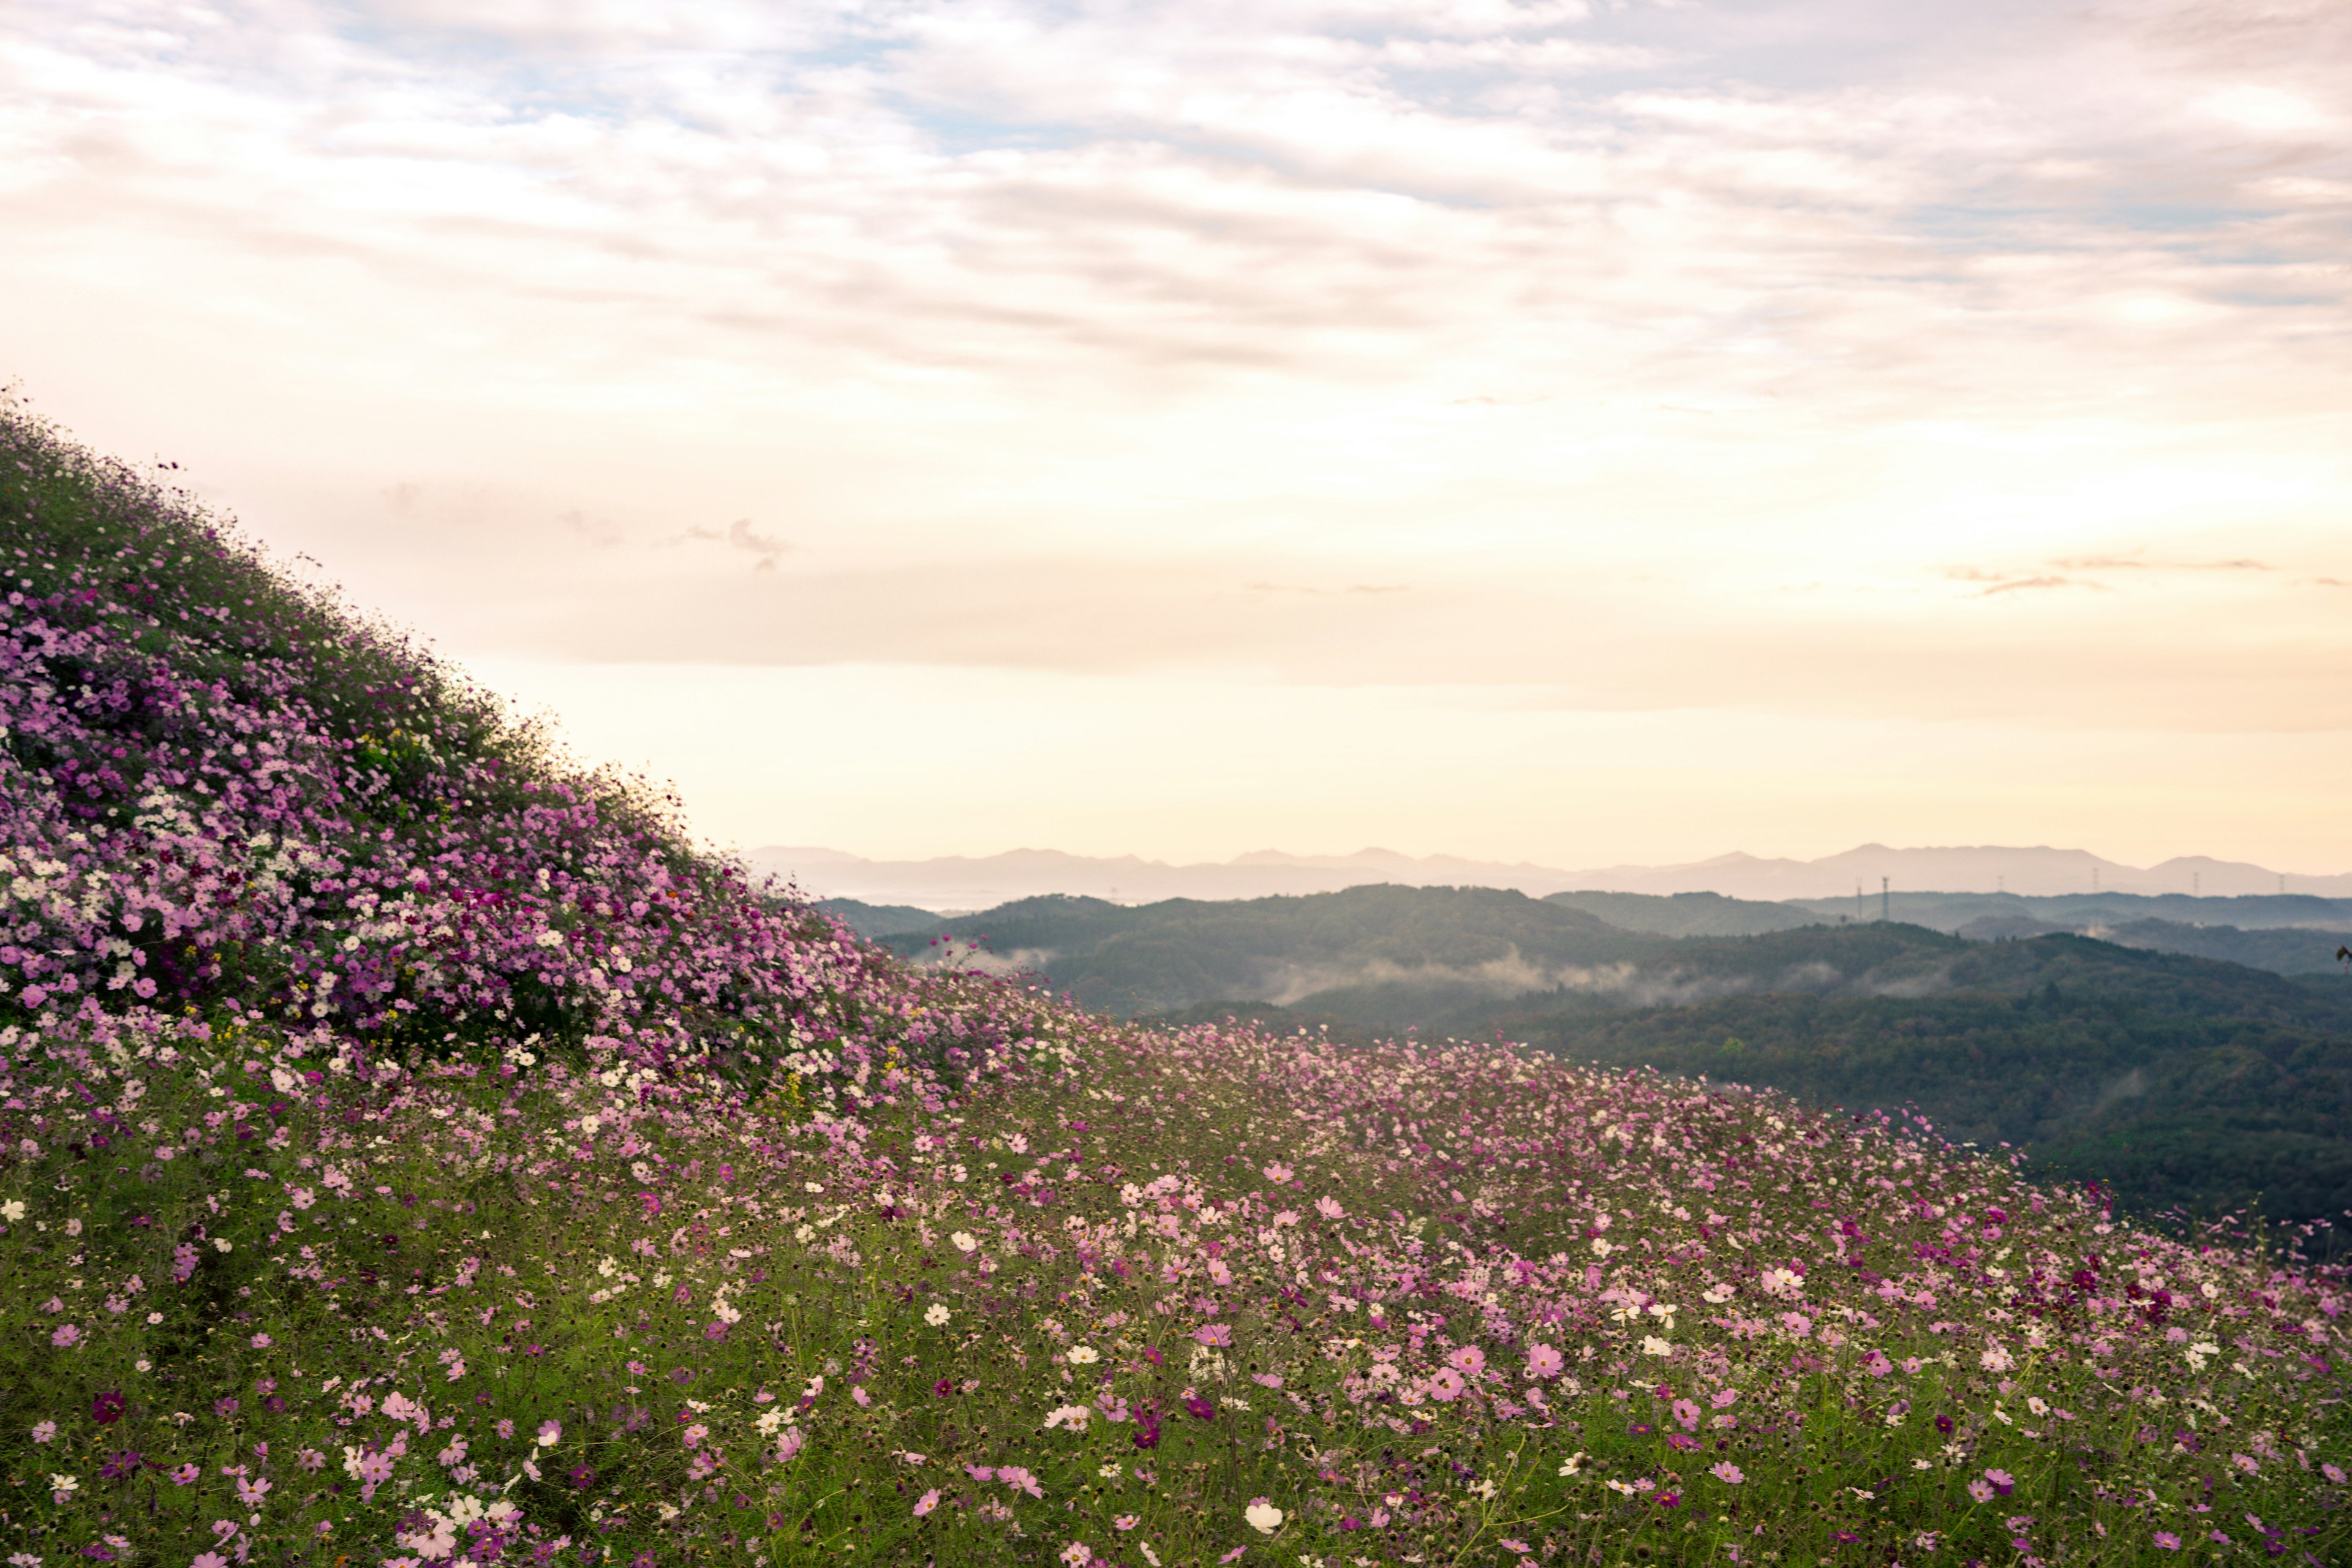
(1586, 431)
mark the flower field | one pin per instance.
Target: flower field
(416, 1154)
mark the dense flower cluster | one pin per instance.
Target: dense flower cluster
(222, 793)
(410, 1154)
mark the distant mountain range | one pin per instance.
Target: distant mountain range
(964, 883)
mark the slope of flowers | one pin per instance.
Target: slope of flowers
(412, 1154)
(220, 792)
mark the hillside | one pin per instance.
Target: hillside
(878, 919)
(2182, 1081)
(1688, 914)
(2190, 1097)
(2082, 911)
(1382, 953)
(418, 1153)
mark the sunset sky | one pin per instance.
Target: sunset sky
(1583, 432)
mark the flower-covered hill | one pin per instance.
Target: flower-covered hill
(416, 1153)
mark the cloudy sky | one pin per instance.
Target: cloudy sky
(1588, 431)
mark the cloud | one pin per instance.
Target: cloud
(2017, 585)
(1500, 348)
(596, 530)
(1265, 587)
(2141, 564)
(740, 535)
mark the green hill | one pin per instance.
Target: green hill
(879, 920)
(1690, 914)
(1385, 951)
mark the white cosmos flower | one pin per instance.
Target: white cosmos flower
(937, 1314)
(964, 1241)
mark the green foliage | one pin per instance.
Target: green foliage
(1460, 942)
(2204, 1093)
(1687, 914)
(881, 920)
(2181, 1082)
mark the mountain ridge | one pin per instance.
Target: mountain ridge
(970, 882)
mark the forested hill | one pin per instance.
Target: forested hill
(1462, 943)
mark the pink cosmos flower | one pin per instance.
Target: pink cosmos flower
(1543, 1360)
(1470, 1359)
(928, 1501)
(44, 1431)
(1727, 1473)
(1277, 1173)
(1981, 1489)
(250, 1493)
(1446, 1384)
(1724, 1398)
(1214, 1335)
(1687, 1413)
(2167, 1542)
(66, 1337)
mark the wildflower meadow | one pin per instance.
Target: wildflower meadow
(417, 1153)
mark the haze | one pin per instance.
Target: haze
(1579, 433)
